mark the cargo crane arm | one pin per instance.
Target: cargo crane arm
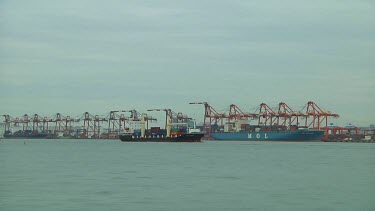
(168, 119)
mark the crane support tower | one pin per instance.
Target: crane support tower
(317, 118)
(266, 115)
(211, 117)
(287, 116)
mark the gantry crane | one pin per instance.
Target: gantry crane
(211, 116)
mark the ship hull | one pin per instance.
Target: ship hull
(181, 138)
(36, 136)
(298, 136)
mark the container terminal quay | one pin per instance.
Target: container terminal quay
(265, 123)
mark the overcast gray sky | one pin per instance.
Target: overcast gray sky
(76, 56)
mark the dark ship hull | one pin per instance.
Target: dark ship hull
(26, 135)
(191, 137)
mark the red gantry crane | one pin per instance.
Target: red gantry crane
(96, 129)
(288, 117)
(235, 113)
(210, 116)
(266, 116)
(316, 117)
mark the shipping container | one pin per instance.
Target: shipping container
(155, 129)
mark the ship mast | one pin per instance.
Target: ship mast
(168, 119)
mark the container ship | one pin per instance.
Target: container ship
(189, 137)
(267, 133)
(170, 134)
(26, 134)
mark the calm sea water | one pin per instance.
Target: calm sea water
(111, 175)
